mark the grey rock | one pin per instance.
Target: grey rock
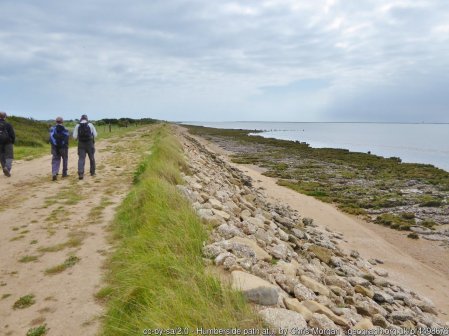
(336, 261)
(257, 222)
(222, 214)
(335, 280)
(424, 304)
(220, 259)
(243, 251)
(206, 214)
(264, 236)
(265, 296)
(283, 318)
(229, 262)
(379, 282)
(212, 251)
(254, 288)
(302, 293)
(248, 228)
(246, 263)
(380, 321)
(381, 273)
(369, 308)
(401, 316)
(283, 235)
(299, 234)
(279, 251)
(286, 282)
(228, 231)
(215, 204)
(381, 297)
(323, 322)
(245, 214)
(359, 281)
(307, 221)
(236, 242)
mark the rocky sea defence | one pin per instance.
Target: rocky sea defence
(291, 269)
(402, 196)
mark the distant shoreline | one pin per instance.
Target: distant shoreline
(380, 189)
(422, 143)
(317, 122)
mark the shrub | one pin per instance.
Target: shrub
(413, 235)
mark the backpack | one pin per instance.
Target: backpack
(4, 135)
(59, 134)
(84, 132)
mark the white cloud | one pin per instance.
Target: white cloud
(196, 58)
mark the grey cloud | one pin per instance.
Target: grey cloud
(224, 59)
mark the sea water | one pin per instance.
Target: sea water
(418, 143)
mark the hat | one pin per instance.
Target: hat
(84, 117)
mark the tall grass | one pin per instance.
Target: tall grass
(157, 275)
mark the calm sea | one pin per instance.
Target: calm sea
(420, 143)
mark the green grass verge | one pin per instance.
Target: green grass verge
(157, 275)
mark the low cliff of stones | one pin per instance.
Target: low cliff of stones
(291, 269)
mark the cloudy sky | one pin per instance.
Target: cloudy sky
(287, 60)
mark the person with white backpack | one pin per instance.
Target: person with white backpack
(85, 133)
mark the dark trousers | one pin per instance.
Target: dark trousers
(84, 148)
(59, 154)
(6, 156)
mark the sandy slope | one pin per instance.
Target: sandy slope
(41, 213)
(419, 266)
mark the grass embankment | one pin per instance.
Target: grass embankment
(158, 278)
(31, 137)
(384, 190)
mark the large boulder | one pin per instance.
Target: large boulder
(322, 322)
(316, 307)
(255, 289)
(260, 253)
(279, 318)
(364, 291)
(303, 293)
(289, 268)
(295, 305)
(280, 251)
(364, 324)
(315, 286)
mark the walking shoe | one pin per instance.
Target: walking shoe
(54, 178)
(65, 175)
(6, 172)
(93, 174)
(80, 177)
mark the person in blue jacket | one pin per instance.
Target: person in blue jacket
(59, 139)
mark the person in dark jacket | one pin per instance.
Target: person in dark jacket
(7, 139)
(85, 133)
(59, 139)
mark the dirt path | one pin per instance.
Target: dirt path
(414, 264)
(53, 238)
